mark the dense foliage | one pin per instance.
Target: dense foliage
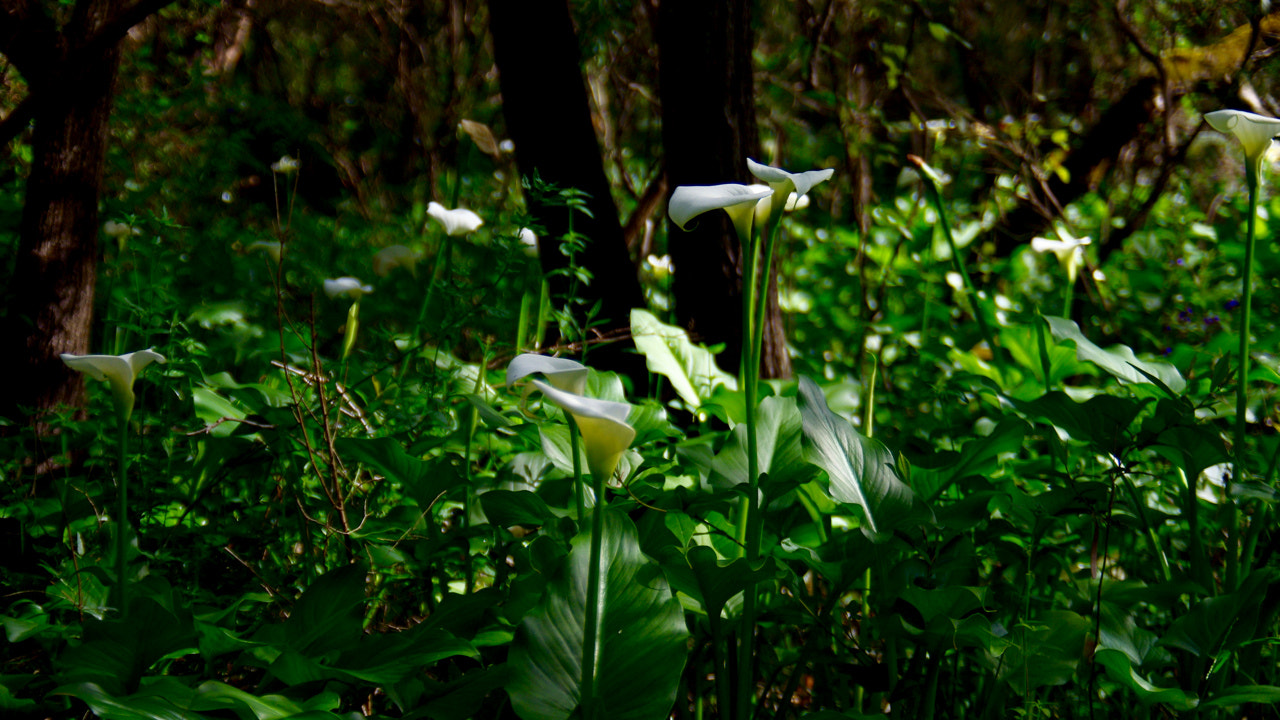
(991, 490)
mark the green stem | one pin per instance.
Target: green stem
(748, 521)
(578, 492)
(441, 262)
(122, 520)
(1242, 395)
(591, 631)
(1042, 327)
(960, 268)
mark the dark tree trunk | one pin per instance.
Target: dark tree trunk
(72, 74)
(545, 105)
(708, 131)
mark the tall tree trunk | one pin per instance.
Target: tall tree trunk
(708, 131)
(544, 101)
(52, 291)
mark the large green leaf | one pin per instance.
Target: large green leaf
(424, 481)
(779, 450)
(1046, 653)
(1119, 361)
(668, 351)
(640, 647)
(861, 469)
(1120, 668)
(701, 575)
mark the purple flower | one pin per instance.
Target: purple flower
(1233, 304)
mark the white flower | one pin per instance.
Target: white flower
(119, 230)
(782, 181)
(285, 165)
(1253, 131)
(390, 258)
(458, 221)
(602, 423)
(796, 203)
(272, 249)
(740, 201)
(1069, 249)
(346, 287)
(118, 370)
(661, 266)
(563, 373)
(528, 238)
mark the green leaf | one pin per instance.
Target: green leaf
(1241, 694)
(1119, 361)
(641, 644)
(668, 351)
(1046, 654)
(424, 481)
(328, 614)
(779, 450)
(862, 470)
(1224, 622)
(1120, 669)
(702, 576)
(506, 508)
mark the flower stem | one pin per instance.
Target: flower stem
(936, 196)
(1242, 393)
(749, 525)
(591, 629)
(122, 519)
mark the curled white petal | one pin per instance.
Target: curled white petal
(120, 371)
(458, 221)
(602, 423)
(690, 201)
(528, 237)
(1068, 249)
(346, 287)
(782, 181)
(1253, 131)
(563, 373)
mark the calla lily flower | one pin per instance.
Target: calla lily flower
(1069, 249)
(118, 370)
(1253, 131)
(796, 203)
(562, 373)
(285, 165)
(603, 424)
(390, 258)
(458, 221)
(529, 238)
(346, 287)
(786, 184)
(690, 201)
(272, 249)
(119, 230)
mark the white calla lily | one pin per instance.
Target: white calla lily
(785, 185)
(690, 201)
(395, 256)
(562, 373)
(1069, 249)
(602, 423)
(1254, 133)
(346, 287)
(529, 238)
(458, 221)
(120, 371)
(782, 181)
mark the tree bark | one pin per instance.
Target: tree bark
(71, 72)
(544, 101)
(708, 131)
